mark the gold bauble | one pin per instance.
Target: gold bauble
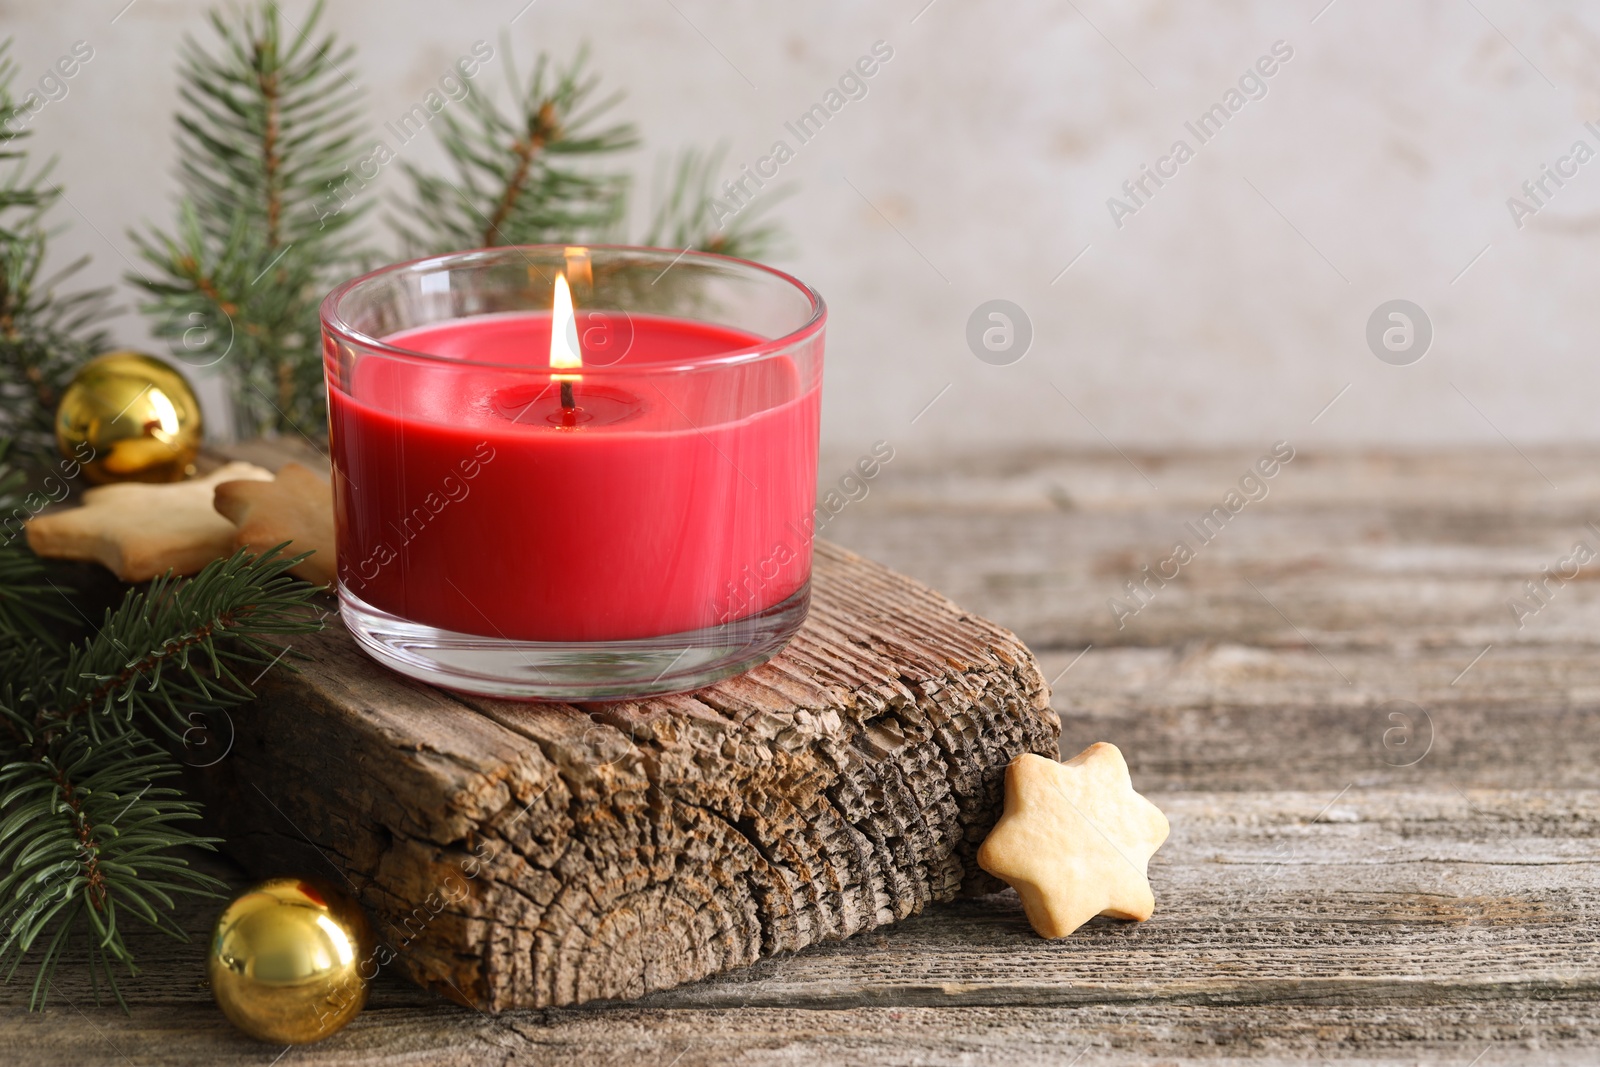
(290, 959)
(128, 417)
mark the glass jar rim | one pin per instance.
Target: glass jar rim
(334, 323)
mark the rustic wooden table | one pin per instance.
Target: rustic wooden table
(1384, 794)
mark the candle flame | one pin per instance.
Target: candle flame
(564, 351)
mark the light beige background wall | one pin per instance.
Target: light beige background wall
(1231, 308)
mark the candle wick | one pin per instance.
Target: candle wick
(567, 400)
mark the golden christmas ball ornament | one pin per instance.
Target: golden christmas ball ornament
(290, 960)
(129, 417)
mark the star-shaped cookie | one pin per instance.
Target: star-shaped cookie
(140, 531)
(296, 506)
(1075, 840)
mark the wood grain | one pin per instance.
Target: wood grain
(520, 855)
(1325, 897)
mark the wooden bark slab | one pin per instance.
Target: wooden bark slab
(520, 855)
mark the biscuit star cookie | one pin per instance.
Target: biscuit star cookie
(1075, 840)
(140, 531)
(297, 506)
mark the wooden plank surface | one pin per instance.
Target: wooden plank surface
(1341, 885)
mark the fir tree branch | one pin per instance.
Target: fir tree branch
(179, 645)
(541, 128)
(87, 836)
(518, 178)
(271, 161)
(267, 127)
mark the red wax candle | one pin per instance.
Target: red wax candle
(470, 499)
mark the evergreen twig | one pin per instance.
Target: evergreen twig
(520, 175)
(266, 130)
(180, 645)
(87, 842)
(89, 839)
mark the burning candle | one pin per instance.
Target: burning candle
(590, 495)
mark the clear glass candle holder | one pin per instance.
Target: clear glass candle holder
(605, 506)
